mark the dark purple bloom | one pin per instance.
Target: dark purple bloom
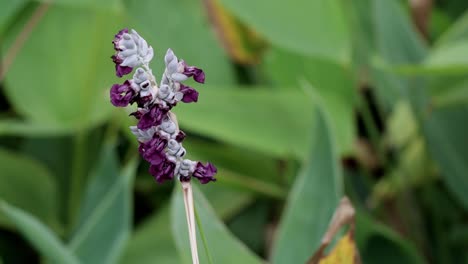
(120, 70)
(198, 74)
(151, 118)
(205, 173)
(122, 94)
(118, 37)
(153, 150)
(141, 101)
(180, 136)
(163, 171)
(190, 94)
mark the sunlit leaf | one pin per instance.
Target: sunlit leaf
(312, 28)
(239, 116)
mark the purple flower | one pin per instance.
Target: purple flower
(153, 117)
(180, 136)
(198, 74)
(153, 150)
(205, 173)
(119, 69)
(141, 101)
(190, 94)
(122, 94)
(118, 37)
(163, 171)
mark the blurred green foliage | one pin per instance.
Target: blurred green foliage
(365, 98)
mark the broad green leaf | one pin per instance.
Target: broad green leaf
(67, 66)
(181, 26)
(380, 244)
(333, 82)
(458, 31)
(152, 241)
(105, 218)
(14, 127)
(450, 95)
(41, 237)
(449, 58)
(239, 116)
(396, 39)
(445, 130)
(223, 247)
(313, 28)
(397, 43)
(312, 201)
(8, 9)
(27, 184)
(114, 5)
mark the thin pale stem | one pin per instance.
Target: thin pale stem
(190, 215)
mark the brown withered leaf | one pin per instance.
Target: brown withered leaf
(243, 44)
(345, 251)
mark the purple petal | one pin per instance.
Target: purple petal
(163, 171)
(198, 74)
(151, 118)
(180, 136)
(121, 94)
(118, 37)
(141, 101)
(190, 94)
(153, 150)
(120, 70)
(205, 173)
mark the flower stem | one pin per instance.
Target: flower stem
(190, 215)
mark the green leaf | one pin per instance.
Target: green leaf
(333, 82)
(313, 28)
(38, 235)
(451, 95)
(14, 127)
(396, 39)
(113, 5)
(312, 201)
(67, 67)
(105, 218)
(458, 31)
(181, 26)
(376, 240)
(222, 245)
(445, 130)
(397, 43)
(449, 58)
(239, 116)
(8, 10)
(27, 184)
(152, 241)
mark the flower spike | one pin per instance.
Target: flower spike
(157, 129)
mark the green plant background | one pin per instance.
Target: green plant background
(305, 101)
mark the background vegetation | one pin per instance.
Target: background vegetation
(305, 101)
